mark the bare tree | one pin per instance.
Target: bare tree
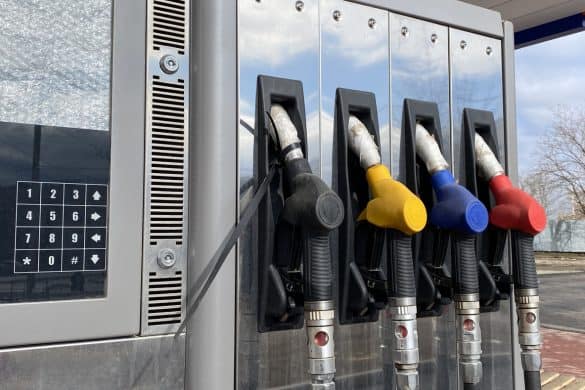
(543, 190)
(562, 157)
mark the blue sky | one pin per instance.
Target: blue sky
(547, 75)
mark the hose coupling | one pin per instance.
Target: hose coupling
(319, 322)
(527, 308)
(405, 336)
(468, 337)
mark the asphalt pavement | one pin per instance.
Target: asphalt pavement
(563, 301)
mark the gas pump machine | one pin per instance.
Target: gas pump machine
(263, 194)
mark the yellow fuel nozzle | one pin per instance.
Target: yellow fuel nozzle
(393, 205)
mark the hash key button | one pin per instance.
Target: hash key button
(72, 260)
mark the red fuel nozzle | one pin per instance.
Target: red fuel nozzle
(515, 209)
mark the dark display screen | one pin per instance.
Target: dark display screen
(54, 198)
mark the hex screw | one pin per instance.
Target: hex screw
(169, 64)
(404, 31)
(463, 45)
(372, 23)
(434, 38)
(337, 15)
(488, 50)
(300, 6)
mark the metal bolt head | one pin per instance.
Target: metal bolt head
(337, 15)
(300, 6)
(434, 38)
(489, 50)
(404, 31)
(372, 23)
(166, 258)
(169, 64)
(463, 45)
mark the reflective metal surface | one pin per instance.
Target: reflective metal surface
(151, 363)
(476, 80)
(354, 55)
(276, 38)
(419, 69)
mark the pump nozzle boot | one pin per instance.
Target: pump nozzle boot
(393, 205)
(456, 208)
(515, 209)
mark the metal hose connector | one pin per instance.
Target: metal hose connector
(320, 322)
(527, 308)
(468, 337)
(405, 353)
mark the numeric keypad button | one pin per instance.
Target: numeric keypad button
(52, 193)
(27, 238)
(29, 193)
(74, 194)
(73, 238)
(26, 261)
(51, 238)
(72, 260)
(49, 260)
(28, 215)
(74, 216)
(51, 215)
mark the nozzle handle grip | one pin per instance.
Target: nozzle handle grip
(524, 266)
(403, 283)
(318, 274)
(464, 263)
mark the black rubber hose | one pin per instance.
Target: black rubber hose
(471, 386)
(401, 265)
(319, 282)
(464, 264)
(532, 380)
(524, 270)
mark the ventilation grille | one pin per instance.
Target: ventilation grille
(167, 169)
(164, 299)
(169, 24)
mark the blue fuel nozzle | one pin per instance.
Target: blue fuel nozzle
(456, 208)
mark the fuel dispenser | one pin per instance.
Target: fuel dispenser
(459, 216)
(128, 261)
(375, 239)
(515, 211)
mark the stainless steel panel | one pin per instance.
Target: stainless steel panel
(276, 38)
(419, 70)
(419, 55)
(355, 55)
(447, 12)
(476, 82)
(136, 363)
(166, 167)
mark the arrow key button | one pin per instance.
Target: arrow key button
(96, 216)
(97, 195)
(95, 259)
(95, 237)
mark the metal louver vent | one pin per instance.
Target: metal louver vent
(168, 162)
(165, 299)
(166, 167)
(169, 24)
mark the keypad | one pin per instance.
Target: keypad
(60, 227)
